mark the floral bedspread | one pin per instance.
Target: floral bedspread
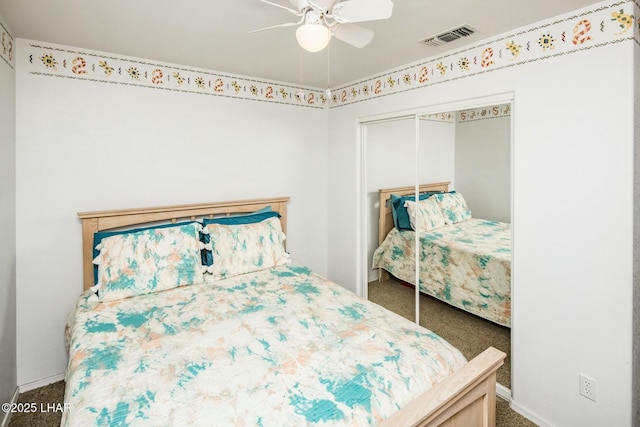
(278, 347)
(467, 265)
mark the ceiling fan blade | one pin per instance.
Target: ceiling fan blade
(323, 5)
(362, 10)
(288, 9)
(354, 35)
(286, 24)
(299, 4)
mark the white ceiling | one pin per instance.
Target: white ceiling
(213, 34)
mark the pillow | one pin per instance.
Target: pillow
(430, 215)
(453, 207)
(149, 260)
(244, 248)
(250, 218)
(400, 216)
(97, 239)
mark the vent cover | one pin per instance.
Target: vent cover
(449, 35)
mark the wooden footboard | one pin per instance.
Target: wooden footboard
(464, 399)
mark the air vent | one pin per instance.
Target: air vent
(449, 35)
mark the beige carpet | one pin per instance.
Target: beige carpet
(51, 394)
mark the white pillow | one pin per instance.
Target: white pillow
(454, 207)
(427, 216)
(149, 260)
(244, 248)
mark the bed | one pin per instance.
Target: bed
(466, 264)
(276, 345)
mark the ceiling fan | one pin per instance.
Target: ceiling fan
(322, 19)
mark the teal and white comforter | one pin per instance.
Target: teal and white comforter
(467, 265)
(278, 347)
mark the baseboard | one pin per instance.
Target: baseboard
(41, 383)
(541, 422)
(7, 415)
(503, 392)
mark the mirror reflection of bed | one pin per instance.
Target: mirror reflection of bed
(467, 152)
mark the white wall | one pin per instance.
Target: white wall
(572, 263)
(437, 151)
(391, 162)
(636, 233)
(483, 167)
(86, 145)
(7, 223)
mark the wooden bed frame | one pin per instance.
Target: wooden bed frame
(385, 217)
(465, 399)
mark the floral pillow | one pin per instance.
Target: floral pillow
(257, 216)
(453, 207)
(149, 261)
(426, 215)
(244, 248)
(401, 219)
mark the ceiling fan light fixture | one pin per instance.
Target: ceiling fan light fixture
(313, 37)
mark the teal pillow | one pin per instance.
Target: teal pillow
(250, 218)
(400, 215)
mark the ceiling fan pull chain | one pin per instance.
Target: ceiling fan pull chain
(328, 91)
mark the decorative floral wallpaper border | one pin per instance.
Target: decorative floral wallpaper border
(7, 45)
(470, 115)
(484, 113)
(583, 30)
(59, 61)
(438, 117)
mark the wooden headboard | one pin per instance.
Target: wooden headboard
(92, 222)
(385, 220)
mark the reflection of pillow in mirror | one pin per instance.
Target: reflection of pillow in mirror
(401, 219)
(427, 216)
(454, 207)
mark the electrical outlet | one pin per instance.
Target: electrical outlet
(588, 387)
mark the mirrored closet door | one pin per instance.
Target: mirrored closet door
(390, 162)
(461, 259)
